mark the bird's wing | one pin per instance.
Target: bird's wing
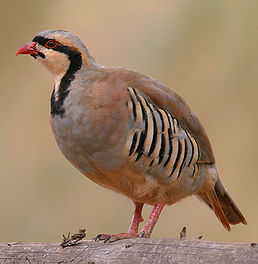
(170, 101)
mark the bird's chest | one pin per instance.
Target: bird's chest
(85, 132)
(72, 127)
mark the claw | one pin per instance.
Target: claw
(97, 237)
(101, 237)
(141, 235)
(107, 239)
(111, 238)
(144, 235)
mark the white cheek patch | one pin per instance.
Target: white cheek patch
(56, 62)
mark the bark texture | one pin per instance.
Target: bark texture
(131, 251)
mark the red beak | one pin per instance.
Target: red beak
(28, 49)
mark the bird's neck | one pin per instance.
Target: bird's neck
(62, 85)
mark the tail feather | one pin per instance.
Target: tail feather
(214, 202)
(223, 206)
(230, 209)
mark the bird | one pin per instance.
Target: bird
(128, 133)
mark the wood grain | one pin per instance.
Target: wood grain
(131, 251)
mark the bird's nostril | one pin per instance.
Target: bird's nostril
(32, 44)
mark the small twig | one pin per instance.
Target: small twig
(74, 239)
(183, 233)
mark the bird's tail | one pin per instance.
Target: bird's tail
(223, 206)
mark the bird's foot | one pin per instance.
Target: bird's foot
(112, 238)
(144, 235)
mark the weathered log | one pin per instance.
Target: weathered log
(131, 251)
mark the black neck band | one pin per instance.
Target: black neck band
(57, 104)
(75, 59)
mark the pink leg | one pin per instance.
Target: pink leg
(146, 232)
(137, 219)
(133, 229)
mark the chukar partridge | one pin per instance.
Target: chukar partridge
(128, 133)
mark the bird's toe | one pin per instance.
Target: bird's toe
(115, 237)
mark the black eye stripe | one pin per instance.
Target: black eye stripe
(41, 40)
(61, 48)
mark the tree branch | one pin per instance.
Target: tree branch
(129, 251)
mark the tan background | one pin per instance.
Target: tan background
(206, 50)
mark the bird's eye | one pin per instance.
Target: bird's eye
(51, 44)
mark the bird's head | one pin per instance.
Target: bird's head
(59, 51)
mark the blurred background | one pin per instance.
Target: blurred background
(205, 50)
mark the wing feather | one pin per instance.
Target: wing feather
(167, 99)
